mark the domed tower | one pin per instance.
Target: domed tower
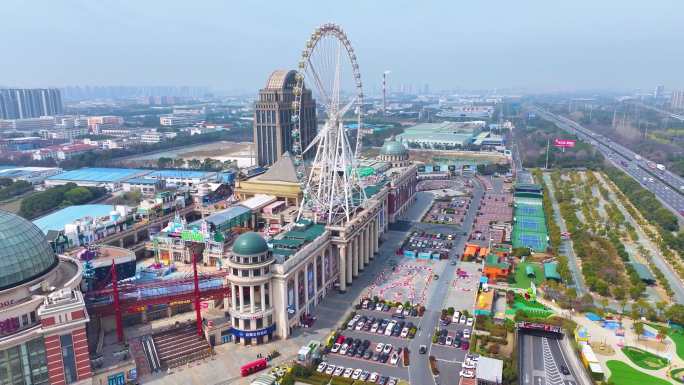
(43, 312)
(395, 153)
(251, 306)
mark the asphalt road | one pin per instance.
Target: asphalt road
(419, 370)
(635, 168)
(667, 186)
(540, 362)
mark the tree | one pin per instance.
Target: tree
(194, 163)
(164, 162)
(639, 329)
(178, 163)
(662, 333)
(675, 313)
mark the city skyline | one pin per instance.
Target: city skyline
(231, 48)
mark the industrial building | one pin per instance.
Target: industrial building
(116, 178)
(444, 136)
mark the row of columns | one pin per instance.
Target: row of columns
(356, 254)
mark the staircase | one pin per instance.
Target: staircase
(179, 346)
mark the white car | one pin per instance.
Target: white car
(467, 373)
(374, 377)
(330, 369)
(399, 309)
(466, 333)
(347, 372)
(343, 349)
(364, 376)
(359, 325)
(469, 322)
(387, 349)
(394, 359)
(455, 317)
(379, 346)
(356, 374)
(378, 306)
(462, 319)
(374, 328)
(404, 332)
(390, 327)
(321, 367)
(338, 371)
(336, 347)
(449, 341)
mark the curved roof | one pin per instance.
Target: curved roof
(392, 147)
(281, 79)
(24, 252)
(249, 243)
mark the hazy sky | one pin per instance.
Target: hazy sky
(233, 45)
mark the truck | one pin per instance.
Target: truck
(660, 167)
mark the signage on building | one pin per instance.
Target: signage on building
(192, 235)
(6, 303)
(252, 333)
(564, 143)
(9, 325)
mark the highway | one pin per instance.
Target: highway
(667, 187)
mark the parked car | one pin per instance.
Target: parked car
(466, 334)
(387, 349)
(330, 369)
(356, 374)
(364, 376)
(422, 349)
(368, 354)
(449, 341)
(335, 347)
(375, 326)
(383, 380)
(564, 369)
(394, 359)
(379, 347)
(456, 316)
(462, 319)
(338, 371)
(344, 349)
(404, 332)
(347, 372)
(399, 309)
(373, 377)
(469, 322)
(321, 367)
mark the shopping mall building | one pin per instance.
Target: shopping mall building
(43, 322)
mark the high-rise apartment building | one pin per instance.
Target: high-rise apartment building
(273, 118)
(677, 100)
(24, 103)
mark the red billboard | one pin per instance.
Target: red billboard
(564, 143)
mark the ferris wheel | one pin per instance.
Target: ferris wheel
(331, 187)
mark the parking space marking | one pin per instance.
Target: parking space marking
(398, 365)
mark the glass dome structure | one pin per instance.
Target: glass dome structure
(25, 253)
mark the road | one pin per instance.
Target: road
(665, 185)
(566, 246)
(419, 370)
(540, 362)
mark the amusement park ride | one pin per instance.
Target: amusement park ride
(333, 190)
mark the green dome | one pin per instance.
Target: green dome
(25, 253)
(249, 244)
(392, 147)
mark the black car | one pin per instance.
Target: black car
(564, 370)
(414, 312)
(443, 333)
(384, 358)
(442, 340)
(383, 380)
(365, 344)
(401, 324)
(359, 352)
(351, 351)
(422, 349)
(368, 354)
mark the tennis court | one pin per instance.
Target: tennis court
(535, 241)
(529, 210)
(531, 224)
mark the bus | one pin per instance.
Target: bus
(253, 367)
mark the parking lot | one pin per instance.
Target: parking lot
(428, 245)
(448, 210)
(407, 281)
(373, 342)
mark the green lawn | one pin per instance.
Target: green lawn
(644, 359)
(677, 375)
(623, 374)
(678, 338)
(522, 280)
